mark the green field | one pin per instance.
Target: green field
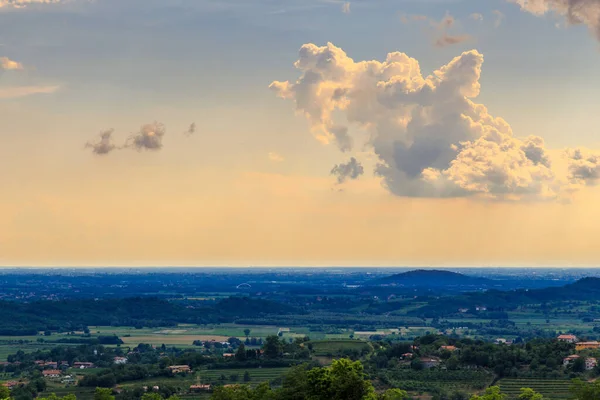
(551, 389)
(334, 347)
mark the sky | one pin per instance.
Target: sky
(299, 132)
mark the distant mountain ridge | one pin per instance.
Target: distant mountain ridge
(434, 278)
(584, 289)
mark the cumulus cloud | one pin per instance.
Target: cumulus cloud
(346, 8)
(149, 137)
(275, 157)
(476, 16)
(430, 137)
(104, 145)
(350, 170)
(584, 167)
(191, 130)
(25, 3)
(7, 64)
(575, 12)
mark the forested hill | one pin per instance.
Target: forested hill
(434, 278)
(583, 290)
(30, 318)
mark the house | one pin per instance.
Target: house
(449, 348)
(178, 369)
(481, 308)
(68, 380)
(51, 365)
(51, 373)
(120, 360)
(500, 341)
(567, 338)
(463, 310)
(568, 360)
(228, 355)
(83, 365)
(590, 363)
(587, 345)
(199, 388)
(10, 384)
(407, 355)
(156, 388)
(430, 362)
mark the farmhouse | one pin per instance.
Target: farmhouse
(568, 360)
(51, 373)
(567, 338)
(587, 345)
(430, 362)
(83, 365)
(120, 360)
(178, 369)
(199, 388)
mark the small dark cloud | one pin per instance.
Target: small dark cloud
(149, 137)
(191, 130)
(350, 170)
(104, 144)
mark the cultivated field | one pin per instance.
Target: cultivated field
(551, 389)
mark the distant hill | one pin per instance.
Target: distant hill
(583, 290)
(434, 278)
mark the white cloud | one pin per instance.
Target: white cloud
(8, 64)
(275, 157)
(429, 135)
(575, 12)
(22, 91)
(25, 3)
(476, 16)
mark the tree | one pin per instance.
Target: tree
(247, 332)
(530, 394)
(4, 393)
(240, 354)
(247, 376)
(272, 347)
(103, 394)
(491, 393)
(585, 391)
(152, 396)
(579, 365)
(343, 380)
(394, 394)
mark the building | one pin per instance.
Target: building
(10, 384)
(51, 373)
(590, 363)
(120, 360)
(567, 338)
(587, 345)
(83, 365)
(180, 369)
(68, 380)
(568, 360)
(199, 388)
(430, 362)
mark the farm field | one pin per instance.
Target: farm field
(333, 347)
(550, 389)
